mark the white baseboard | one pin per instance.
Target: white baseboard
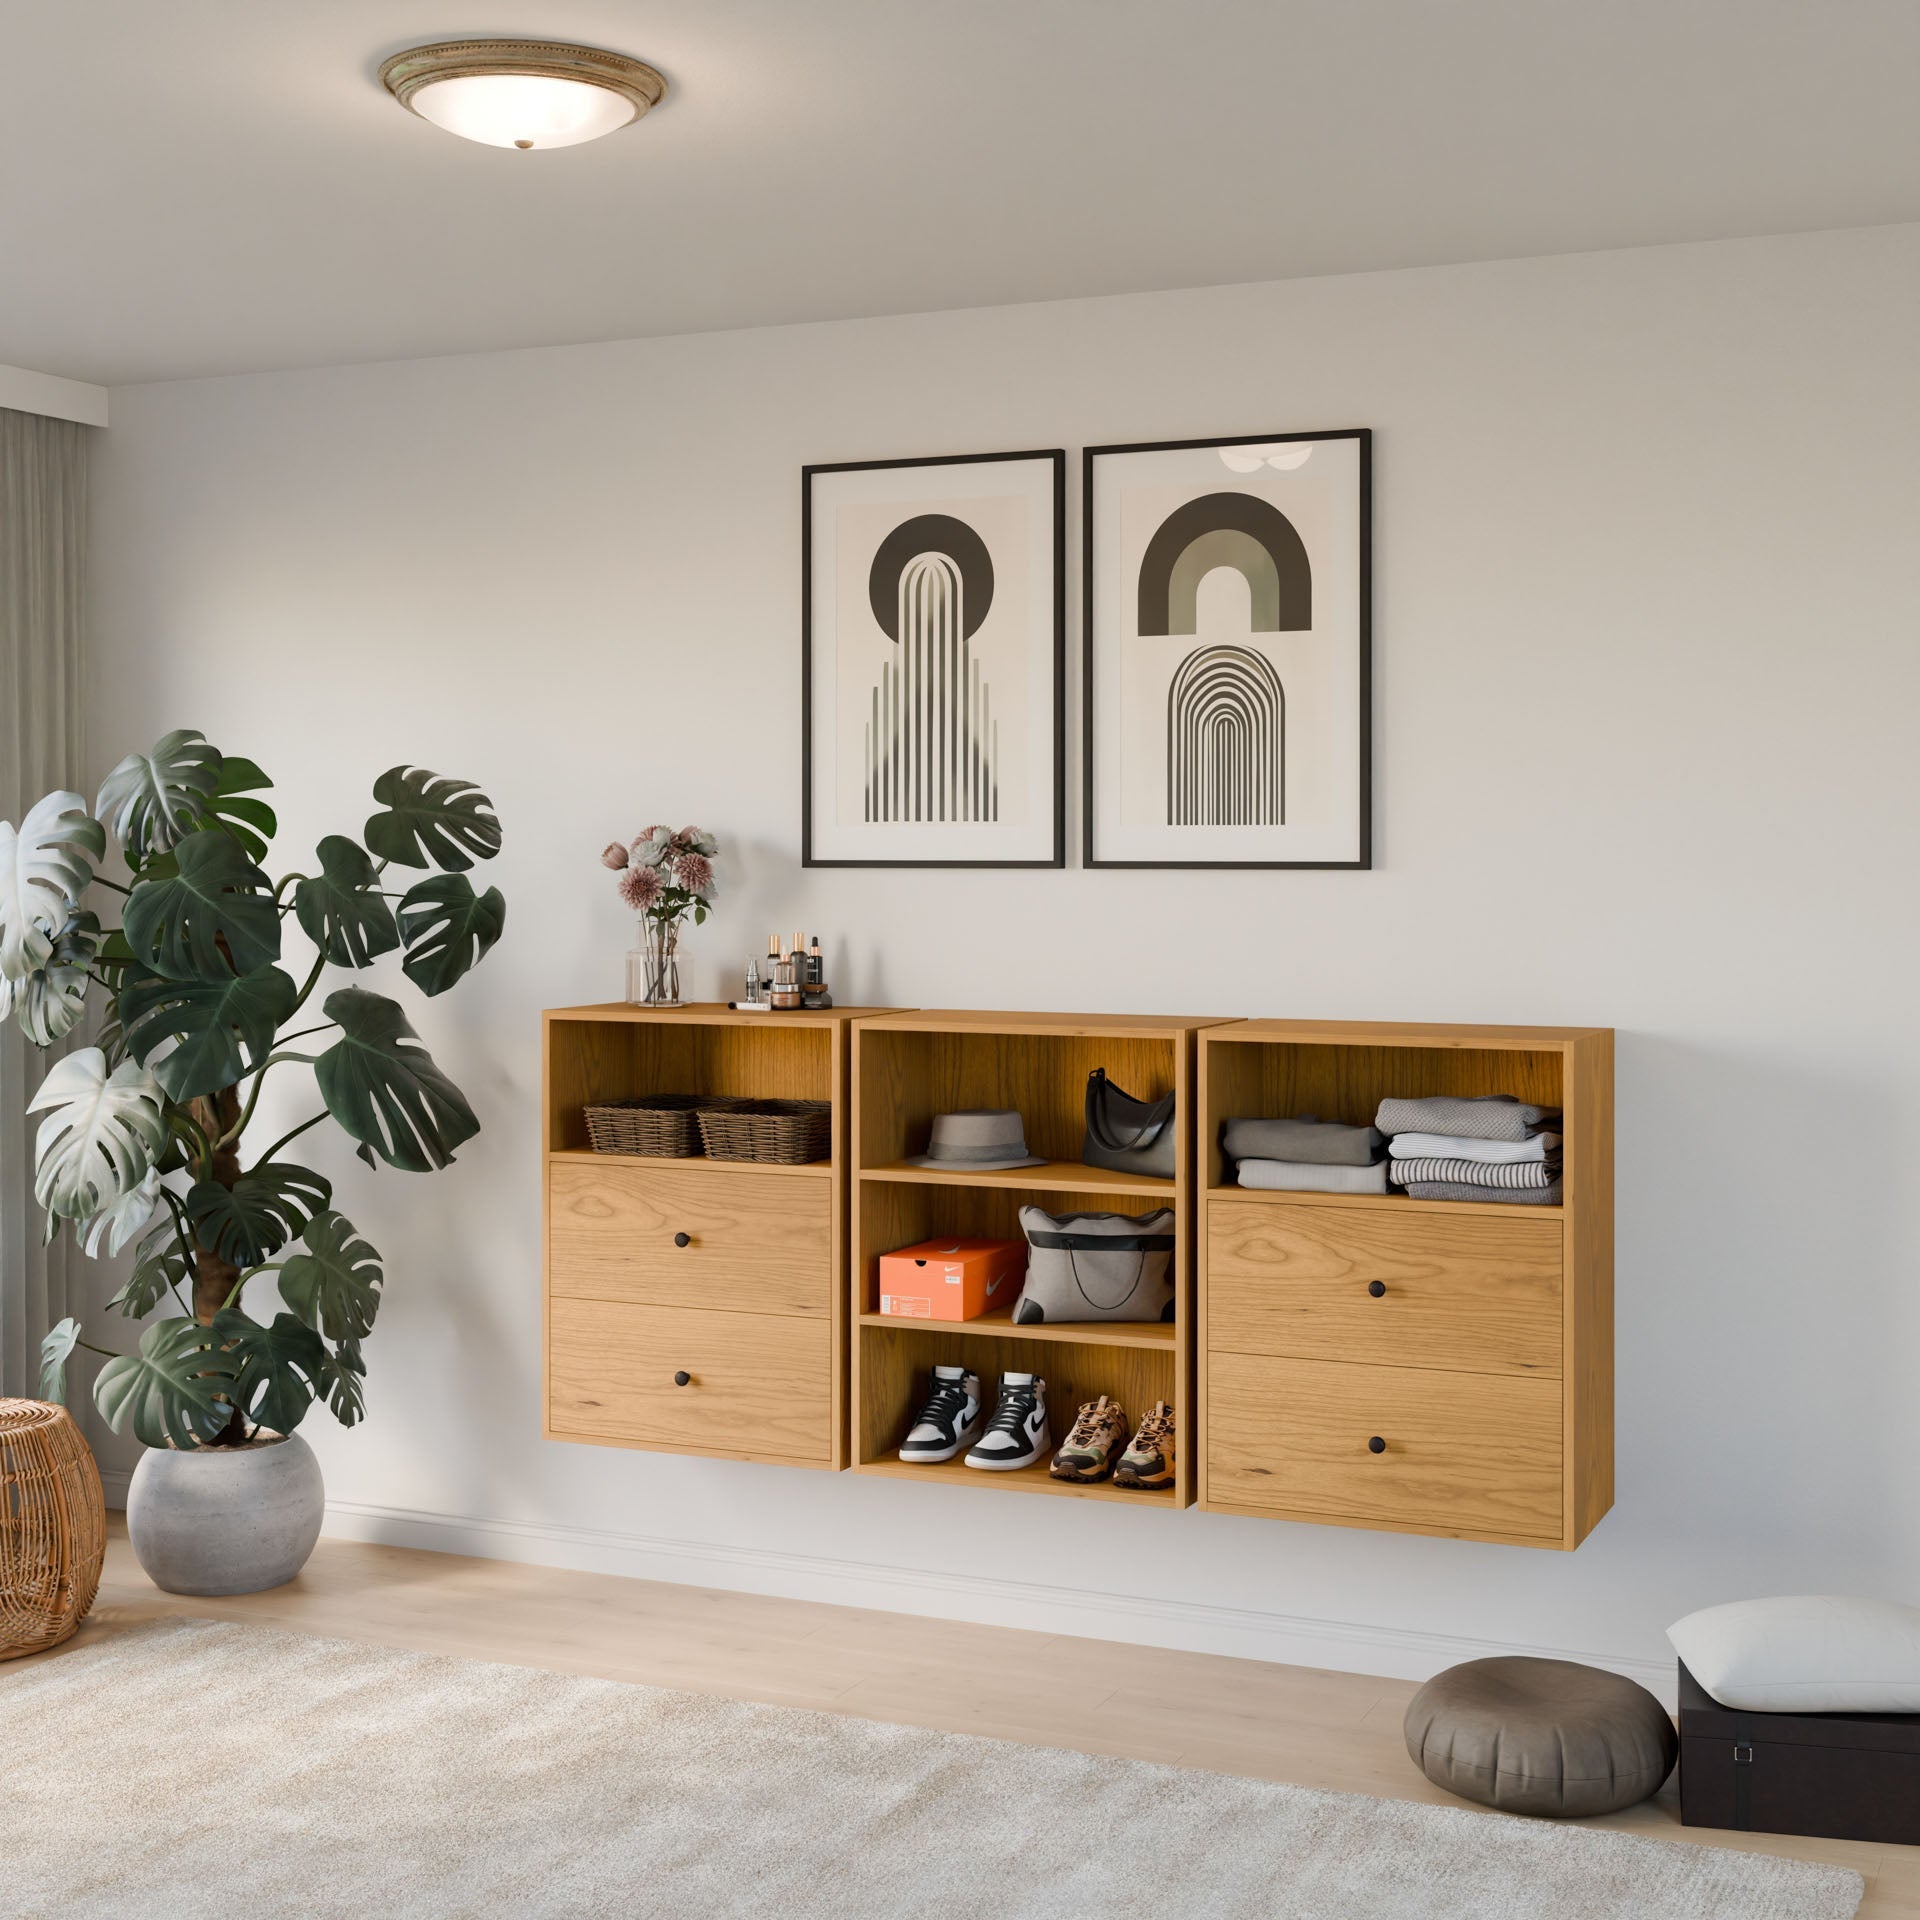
(1185, 1625)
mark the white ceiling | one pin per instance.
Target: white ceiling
(204, 186)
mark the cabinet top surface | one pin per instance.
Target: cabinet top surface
(945, 1020)
(1394, 1033)
(712, 1013)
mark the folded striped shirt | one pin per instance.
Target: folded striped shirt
(1492, 1116)
(1456, 1146)
(1305, 1176)
(1426, 1168)
(1497, 1196)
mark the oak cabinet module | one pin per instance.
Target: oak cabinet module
(933, 626)
(1227, 609)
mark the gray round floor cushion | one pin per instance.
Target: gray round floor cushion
(1540, 1736)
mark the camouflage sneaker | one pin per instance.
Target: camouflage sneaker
(1098, 1434)
(1148, 1461)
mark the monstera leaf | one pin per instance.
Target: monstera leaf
(279, 1368)
(251, 822)
(223, 1028)
(431, 820)
(342, 1377)
(448, 929)
(335, 1285)
(51, 999)
(341, 911)
(115, 1225)
(55, 1351)
(255, 1217)
(382, 1086)
(160, 1265)
(46, 864)
(171, 1387)
(101, 1137)
(152, 801)
(209, 917)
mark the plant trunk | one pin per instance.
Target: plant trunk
(213, 1277)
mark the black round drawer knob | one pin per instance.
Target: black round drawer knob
(683, 1239)
(1377, 1288)
(1376, 1445)
(683, 1379)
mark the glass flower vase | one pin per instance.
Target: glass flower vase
(653, 968)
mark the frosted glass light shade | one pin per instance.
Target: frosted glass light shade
(522, 93)
(522, 109)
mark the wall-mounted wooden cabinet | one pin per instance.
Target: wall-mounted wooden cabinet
(910, 1066)
(1425, 1366)
(695, 1305)
(1428, 1366)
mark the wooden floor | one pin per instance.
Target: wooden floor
(1334, 1730)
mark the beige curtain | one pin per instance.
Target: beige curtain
(43, 516)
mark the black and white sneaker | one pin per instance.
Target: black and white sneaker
(1017, 1435)
(950, 1418)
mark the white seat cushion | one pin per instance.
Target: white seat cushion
(1811, 1653)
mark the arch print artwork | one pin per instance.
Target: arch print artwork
(931, 745)
(1227, 667)
(933, 626)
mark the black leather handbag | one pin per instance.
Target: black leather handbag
(1125, 1134)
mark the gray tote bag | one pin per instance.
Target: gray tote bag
(1096, 1266)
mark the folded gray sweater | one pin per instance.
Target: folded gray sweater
(1305, 1141)
(1492, 1116)
(1298, 1176)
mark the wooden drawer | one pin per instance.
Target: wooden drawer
(756, 1242)
(760, 1385)
(1465, 1453)
(1457, 1292)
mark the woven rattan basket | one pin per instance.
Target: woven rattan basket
(788, 1132)
(663, 1124)
(53, 1527)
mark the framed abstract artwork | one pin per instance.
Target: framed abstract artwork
(1227, 608)
(933, 624)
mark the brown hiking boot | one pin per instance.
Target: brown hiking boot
(1147, 1463)
(1098, 1434)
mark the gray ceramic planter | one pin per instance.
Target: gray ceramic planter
(226, 1520)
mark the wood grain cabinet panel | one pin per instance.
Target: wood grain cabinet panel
(1396, 1288)
(758, 1385)
(1475, 1454)
(759, 1242)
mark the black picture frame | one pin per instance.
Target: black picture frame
(1363, 436)
(1058, 457)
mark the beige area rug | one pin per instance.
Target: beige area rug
(190, 1768)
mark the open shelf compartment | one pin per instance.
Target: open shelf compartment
(597, 1054)
(1268, 1069)
(909, 1067)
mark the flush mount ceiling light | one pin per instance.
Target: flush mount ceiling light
(522, 93)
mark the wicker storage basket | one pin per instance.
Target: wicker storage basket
(53, 1527)
(789, 1132)
(662, 1124)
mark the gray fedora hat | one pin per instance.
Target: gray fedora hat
(985, 1140)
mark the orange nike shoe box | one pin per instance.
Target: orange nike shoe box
(951, 1279)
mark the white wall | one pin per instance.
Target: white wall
(1647, 675)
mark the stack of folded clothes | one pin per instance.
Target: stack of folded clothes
(1491, 1148)
(1305, 1155)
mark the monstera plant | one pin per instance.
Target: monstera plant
(145, 1136)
